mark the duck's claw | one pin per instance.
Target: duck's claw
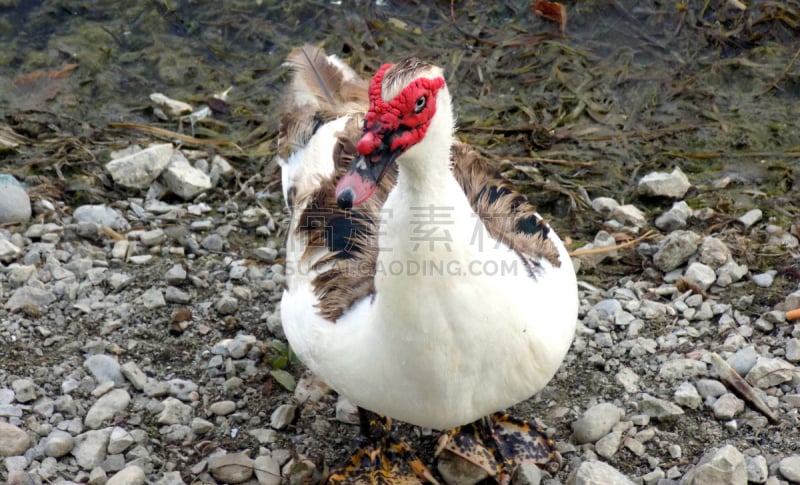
(498, 443)
(381, 459)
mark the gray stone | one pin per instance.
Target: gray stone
(176, 275)
(90, 448)
(770, 372)
(596, 422)
(455, 469)
(29, 297)
(790, 468)
(608, 445)
(527, 473)
(283, 416)
(101, 215)
(756, 467)
(119, 441)
(687, 396)
(105, 368)
(58, 443)
(153, 298)
(629, 214)
(201, 426)
(175, 295)
(604, 205)
(134, 374)
(727, 406)
(153, 237)
(108, 406)
(701, 275)
(592, 472)
(743, 360)
(183, 179)
(710, 388)
(24, 390)
(730, 272)
(226, 305)
(346, 411)
(8, 251)
(138, 170)
(182, 388)
(222, 408)
(15, 441)
(175, 412)
(793, 350)
(676, 249)
(713, 252)
(231, 468)
(15, 205)
(660, 184)
(764, 280)
(675, 218)
(130, 475)
(682, 368)
(310, 388)
(719, 465)
(268, 470)
(659, 408)
(750, 217)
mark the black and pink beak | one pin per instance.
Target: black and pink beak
(367, 170)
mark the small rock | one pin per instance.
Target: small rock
(592, 472)
(104, 369)
(743, 360)
(675, 218)
(310, 388)
(719, 465)
(764, 280)
(183, 179)
(175, 295)
(201, 426)
(596, 422)
(687, 396)
(24, 390)
(790, 468)
(90, 448)
(58, 444)
(130, 475)
(134, 374)
(710, 388)
(527, 473)
(119, 441)
(727, 406)
(107, 407)
(750, 217)
(222, 408)
(701, 275)
(673, 185)
(101, 215)
(175, 412)
(268, 471)
(8, 252)
(153, 298)
(676, 249)
(682, 368)
(176, 275)
(756, 466)
(730, 272)
(770, 372)
(713, 252)
(138, 170)
(169, 106)
(226, 305)
(604, 205)
(793, 350)
(283, 416)
(608, 445)
(15, 205)
(213, 242)
(153, 238)
(629, 214)
(15, 441)
(27, 297)
(231, 468)
(659, 408)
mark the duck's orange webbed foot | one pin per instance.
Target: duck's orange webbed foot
(380, 458)
(498, 443)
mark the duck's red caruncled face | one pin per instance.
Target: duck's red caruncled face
(390, 128)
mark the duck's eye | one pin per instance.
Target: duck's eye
(419, 105)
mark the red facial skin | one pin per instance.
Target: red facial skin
(390, 128)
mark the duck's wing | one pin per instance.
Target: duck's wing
(332, 250)
(506, 213)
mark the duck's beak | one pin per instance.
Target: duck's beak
(366, 170)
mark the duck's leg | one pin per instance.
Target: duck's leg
(381, 458)
(498, 443)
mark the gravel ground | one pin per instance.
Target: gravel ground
(141, 343)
